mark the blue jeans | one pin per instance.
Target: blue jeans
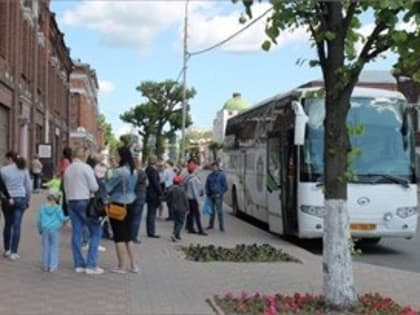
(151, 218)
(50, 249)
(217, 201)
(79, 220)
(179, 218)
(136, 218)
(12, 222)
(37, 178)
(85, 235)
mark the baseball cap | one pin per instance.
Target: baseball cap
(53, 194)
(177, 180)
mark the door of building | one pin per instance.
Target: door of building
(4, 131)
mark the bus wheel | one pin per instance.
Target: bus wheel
(369, 241)
(235, 207)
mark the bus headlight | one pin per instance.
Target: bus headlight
(313, 210)
(405, 212)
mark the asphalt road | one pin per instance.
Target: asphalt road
(389, 252)
(395, 253)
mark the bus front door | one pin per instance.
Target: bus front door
(274, 187)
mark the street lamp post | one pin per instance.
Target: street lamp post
(184, 84)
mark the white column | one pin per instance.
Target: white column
(47, 127)
(24, 137)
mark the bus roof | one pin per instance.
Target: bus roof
(283, 99)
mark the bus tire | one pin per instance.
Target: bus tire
(235, 206)
(369, 241)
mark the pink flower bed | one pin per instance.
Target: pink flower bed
(305, 304)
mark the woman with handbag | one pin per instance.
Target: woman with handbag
(18, 183)
(121, 188)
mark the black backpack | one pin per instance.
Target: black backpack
(97, 204)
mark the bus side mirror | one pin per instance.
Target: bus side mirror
(300, 123)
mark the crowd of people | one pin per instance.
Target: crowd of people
(99, 198)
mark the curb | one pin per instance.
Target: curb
(215, 307)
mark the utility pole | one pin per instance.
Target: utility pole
(184, 84)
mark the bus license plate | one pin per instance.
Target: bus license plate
(362, 226)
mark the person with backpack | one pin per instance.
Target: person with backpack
(216, 186)
(177, 200)
(79, 185)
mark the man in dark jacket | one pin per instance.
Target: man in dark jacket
(176, 199)
(216, 186)
(153, 196)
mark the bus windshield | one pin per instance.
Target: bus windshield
(383, 145)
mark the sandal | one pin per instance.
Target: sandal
(119, 271)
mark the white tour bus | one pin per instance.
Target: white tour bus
(273, 159)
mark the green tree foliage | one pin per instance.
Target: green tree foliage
(160, 115)
(193, 138)
(110, 139)
(335, 31)
(214, 147)
(125, 140)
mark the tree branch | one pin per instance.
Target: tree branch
(319, 7)
(373, 54)
(319, 44)
(350, 13)
(364, 54)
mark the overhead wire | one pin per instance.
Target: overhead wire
(202, 51)
(229, 38)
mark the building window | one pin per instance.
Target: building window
(4, 21)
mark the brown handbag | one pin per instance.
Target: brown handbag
(117, 211)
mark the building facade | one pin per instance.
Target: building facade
(231, 108)
(85, 129)
(35, 67)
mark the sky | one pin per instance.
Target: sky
(130, 41)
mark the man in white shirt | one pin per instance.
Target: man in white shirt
(168, 176)
(37, 172)
(79, 184)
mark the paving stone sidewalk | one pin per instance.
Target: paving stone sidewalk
(168, 284)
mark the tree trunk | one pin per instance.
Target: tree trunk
(337, 261)
(158, 144)
(145, 149)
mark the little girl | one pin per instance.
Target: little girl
(50, 220)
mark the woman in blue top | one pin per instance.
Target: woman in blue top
(18, 183)
(121, 188)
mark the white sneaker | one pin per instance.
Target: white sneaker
(79, 269)
(101, 248)
(135, 269)
(14, 257)
(94, 271)
(7, 253)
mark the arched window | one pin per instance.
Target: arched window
(4, 23)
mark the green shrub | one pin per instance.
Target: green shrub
(240, 253)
